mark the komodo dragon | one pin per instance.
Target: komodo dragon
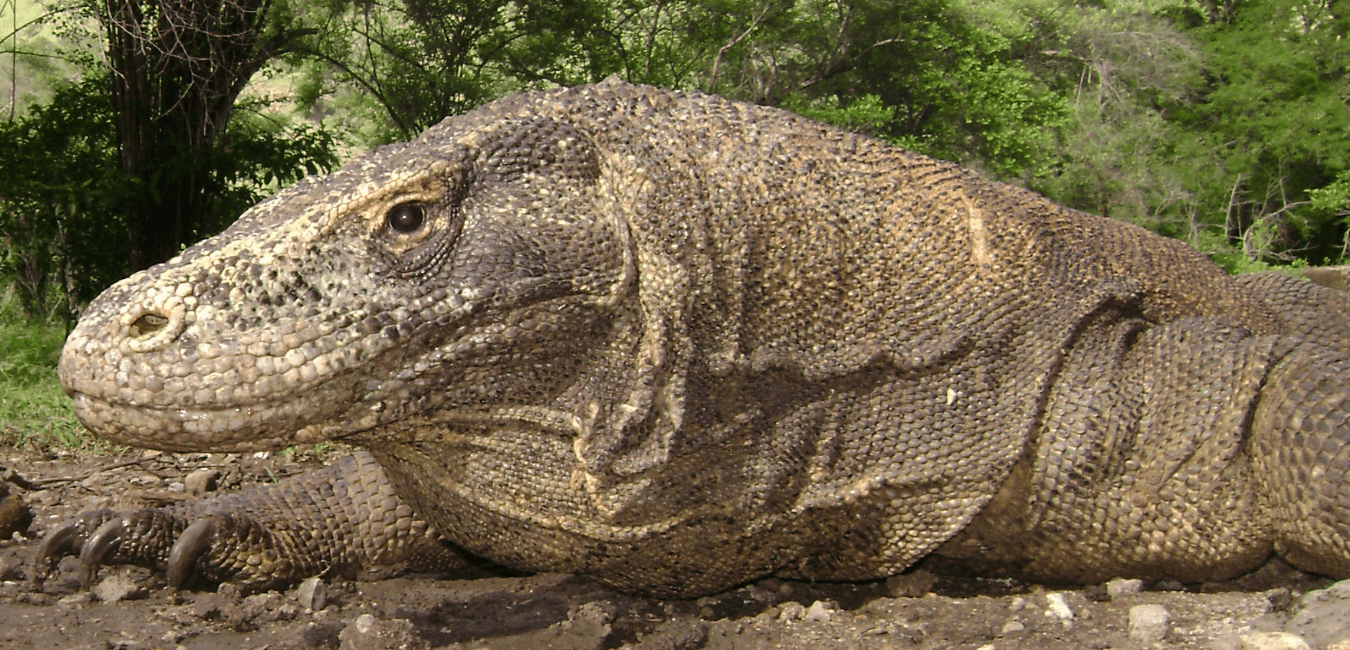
(676, 343)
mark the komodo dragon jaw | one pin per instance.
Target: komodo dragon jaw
(420, 276)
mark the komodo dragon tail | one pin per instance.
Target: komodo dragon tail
(1301, 452)
(1300, 434)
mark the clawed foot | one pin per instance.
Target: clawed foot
(343, 518)
(215, 547)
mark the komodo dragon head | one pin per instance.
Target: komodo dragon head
(422, 274)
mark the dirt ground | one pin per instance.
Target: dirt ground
(128, 608)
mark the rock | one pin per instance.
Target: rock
(680, 634)
(260, 607)
(14, 513)
(118, 587)
(312, 594)
(370, 633)
(208, 606)
(11, 568)
(1013, 627)
(78, 598)
(320, 635)
(791, 611)
(230, 591)
(1058, 607)
(1322, 617)
(1335, 277)
(1149, 623)
(1119, 587)
(201, 481)
(1273, 641)
(590, 620)
(818, 612)
(911, 585)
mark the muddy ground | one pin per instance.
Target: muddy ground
(128, 608)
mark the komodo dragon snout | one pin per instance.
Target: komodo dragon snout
(677, 342)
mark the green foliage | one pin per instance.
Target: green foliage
(1335, 197)
(1208, 122)
(1118, 66)
(1220, 123)
(58, 179)
(33, 408)
(929, 74)
(1234, 259)
(401, 66)
(951, 82)
(1270, 125)
(867, 114)
(65, 202)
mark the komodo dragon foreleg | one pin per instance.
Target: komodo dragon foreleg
(342, 518)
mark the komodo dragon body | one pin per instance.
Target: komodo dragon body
(677, 342)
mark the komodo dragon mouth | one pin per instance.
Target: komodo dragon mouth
(179, 394)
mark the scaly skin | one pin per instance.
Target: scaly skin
(677, 343)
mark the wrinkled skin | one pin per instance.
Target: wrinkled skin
(677, 343)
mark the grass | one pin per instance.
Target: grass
(34, 411)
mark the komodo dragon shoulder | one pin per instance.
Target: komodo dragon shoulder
(677, 342)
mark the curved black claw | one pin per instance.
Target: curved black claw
(106, 538)
(189, 547)
(62, 541)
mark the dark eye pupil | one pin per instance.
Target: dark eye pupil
(405, 217)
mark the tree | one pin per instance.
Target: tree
(1123, 69)
(53, 181)
(409, 64)
(176, 71)
(931, 75)
(1270, 124)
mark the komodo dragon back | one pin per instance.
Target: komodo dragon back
(678, 342)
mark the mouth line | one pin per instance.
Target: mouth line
(266, 425)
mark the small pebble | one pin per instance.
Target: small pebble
(370, 633)
(11, 568)
(1149, 623)
(208, 606)
(911, 585)
(1122, 587)
(202, 481)
(1013, 627)
(312, 594)
(1273, 641)
(1059, 608)
(78, 598)
(818, 612)
(118, 587)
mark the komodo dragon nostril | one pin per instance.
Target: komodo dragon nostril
(147, 325)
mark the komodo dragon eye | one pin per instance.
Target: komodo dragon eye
(405, 217)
